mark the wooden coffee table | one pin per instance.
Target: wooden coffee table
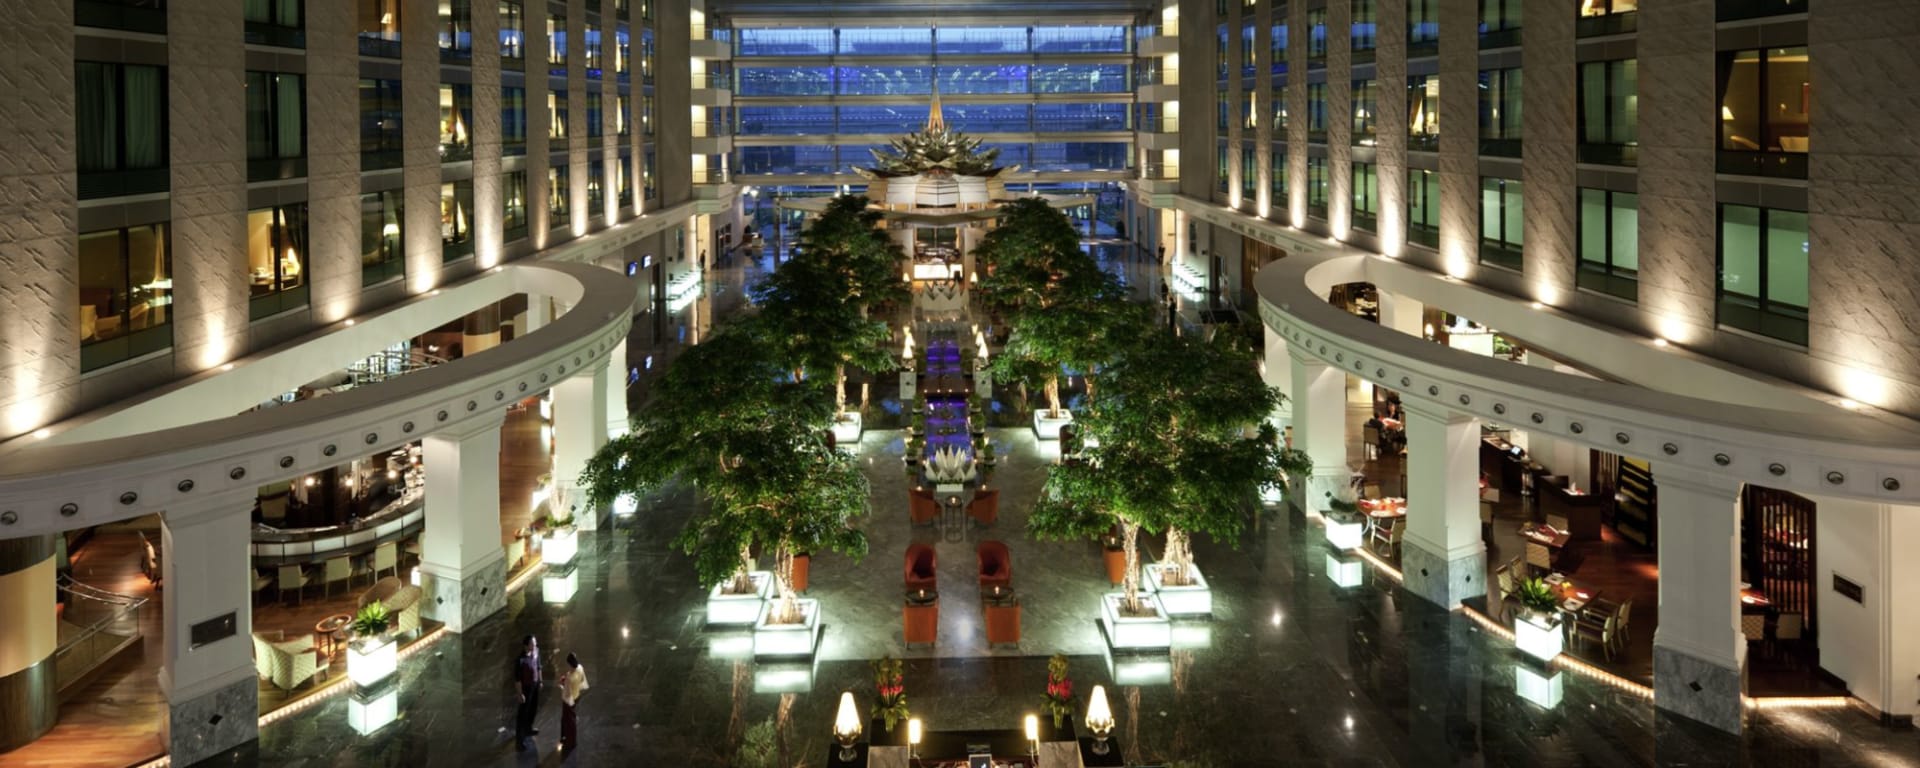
(328, 633)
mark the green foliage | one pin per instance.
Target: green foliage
(1535, 595)
(760, 748)
(815, 308)
(935, 149)
(371, 620)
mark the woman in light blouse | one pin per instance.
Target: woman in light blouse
(572, 683)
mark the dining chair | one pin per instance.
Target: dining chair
(386, 557)
(1753, 626)
(1602, 632)
(1559, 522)
(1391, 533)
(338, 569)
(921, 568)
(1789, 626)
(1370, 445)
(292, 577)
(996, 565)
(1539, 556)
(1503, 577)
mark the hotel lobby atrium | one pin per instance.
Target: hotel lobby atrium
(871, 383)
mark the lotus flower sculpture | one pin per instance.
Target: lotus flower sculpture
(950, 465)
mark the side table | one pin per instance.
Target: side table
(1002, 608)
(920, 617)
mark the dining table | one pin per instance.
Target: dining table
(1545, 535)
(1573, 599)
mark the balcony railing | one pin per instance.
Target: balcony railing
(715, 81)
(1169, 124)
(94, 627)
(711, 128)
(1160, 171)
(1778, 165)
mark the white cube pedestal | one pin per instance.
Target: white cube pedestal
(1139, 668)
(558, 584)
(846, 430)
(1047, 427)
(370, 709)
(1539, 638)
(1132, 634)
(372, 659)
(1187, 601)
(558, 547)
(787, 641)
(1344, 534)
(1540, 686)
(784, 676)
(730, 610)
(1342, 570)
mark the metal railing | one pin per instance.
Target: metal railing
(95, 626)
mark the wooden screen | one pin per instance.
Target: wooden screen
(1776, 548)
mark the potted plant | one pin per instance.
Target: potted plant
(372, 656)
(889, 688)
(1058, 700)
(1344, 524)
(560, 540)
(1536, 626)
(1113, 553)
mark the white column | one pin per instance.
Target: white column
(1276, 370)
(579, 430)
(1442, 556)
(1699, 654)
(617, 367)
(1402, 314)
(539, 313)
(211, 691)
(1320, 425)
(463, 568)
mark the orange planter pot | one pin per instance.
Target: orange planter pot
(1116, 565)
(801, 564)
(921, 623)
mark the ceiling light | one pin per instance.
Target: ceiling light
(1659, 342)
(42, 433)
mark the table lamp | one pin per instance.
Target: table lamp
(1099, 719)
(913, 738)
(846, 727)
(1033, 734)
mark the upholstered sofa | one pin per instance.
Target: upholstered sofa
(285, 664)
(402, 601)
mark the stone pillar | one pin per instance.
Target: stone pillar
(1276, 370)
(1549, 187)
(579, 430)
(1401, 313)
(576, 141)
(1339, 120)
(206, 136)
(1442, 556)
(489, 208)
(1296, 138)
(1390, 127)
(480, 330)
(1678, 135)
(333, 166)
(1320, 425)
(1699, 654)
(1459, 138)
(617, 365)
(420, 132)
(463, 567)
(211, 690)
(29, 687)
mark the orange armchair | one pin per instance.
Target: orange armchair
(996, 565)
(985, 507)
(921, 572)
(921, 505)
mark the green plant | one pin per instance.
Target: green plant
(371, 620)
(890, 691)
(1535, 595)
(759, 748)
(1058, 700)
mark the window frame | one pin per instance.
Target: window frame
(1604, 276)
(1761, 301)
(131, 343)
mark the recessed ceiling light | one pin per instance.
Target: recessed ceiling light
(1537, 305)
(42, 433)
(1659, 342)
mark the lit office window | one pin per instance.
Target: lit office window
(590, 46)
(381, 144)
(513, 121)
(1501, 214)
(126, 294)
(1423, 27)
(1423, 207)
(557, 43)
(623, 115)
(1423, 113)
(379, 28)
(596, 188)
(558, 195)
(1763, 271)
(456, 120)
(456, 30)
(513, 24)
(1365, 98)
(277, 259)
(1277, 48)
(1246, 51)
(594, 114)
(1610, 243)
(513, 199)
(556, 114)
(1765, 102)
(1500, 112)
(456, 219)
(382, 256)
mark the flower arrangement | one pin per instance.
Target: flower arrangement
(889, 685)
(1059, 695)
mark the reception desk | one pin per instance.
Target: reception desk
(298, 546)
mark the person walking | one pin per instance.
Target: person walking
(526, 682)
(572, 683)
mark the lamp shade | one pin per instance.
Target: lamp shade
(846, 724)
(1033, 727)
(913, 731)
(1099, 715)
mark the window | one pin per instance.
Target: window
(1607, 17)
(1220, 52)
(980, 40)
(646, 56)
(590, 45)
(382, 257)
(1365, 99)
(1500, 23)
(1317, 112)
(1316, 38)
(456, 219)
(380, 136)
(1365, 30)
(557, 44)
(513, 36)
(1080, 78)
(1223, 114)
(646, 115)
(1249, 173)
(786, 41)
(1221, 179)
(1610, 243)
(456, 115)
(622, 54)
(1279, 101)
(513, 121)
(275, 22)
(1736, 10)
(456, 30)
(1246, 51)
(120, 128)
(277, 259)
(1366, 196)
(1277, 180)
(596, 189)
(126, 294)
(558, 194)
(1763, 271)
(886, 41)
(1423, 113)
(1423, 207)
(1500, 112)
(556, 114)
(1765, 99)
(1423, 27)
(130, 15)
(276, 126)
(513, 197)
(622, 116)
(380, 28)
(594, 114)
(623, 185)
(648, 187)
(1080, 38)
(1318, 187)
(1277, 47)
(1609, 112)
(1500, 222)
(1248, 119)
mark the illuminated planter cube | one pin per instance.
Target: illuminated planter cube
(738, 610)
(1048, 427)
(1135, 633)
(1192, 635)
(1344, 571)
(1272, 495)
(1538, 637)
(370, 709)
(846, 429)
(625, 505)
(787, 640)
(1540, 687)
(557, 585)
(372, 659)
(1181, 601)
(558, 546)
(784, 677)
(1344, 534)
(1138, 669)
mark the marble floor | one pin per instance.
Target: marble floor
(1293, 670)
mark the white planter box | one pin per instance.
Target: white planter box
(787, 640)
(1135, 633)
(846, 430)
(1540, 687)
(372, 709)
(1344, 571)
(1538, 638)
(1138, 669)
(557, 585)
(1186, 601)
(1047, 427)
(784, 677)
(1344, 535)
(738, 610)
(625, 505)
(557, 547)
(372, 659)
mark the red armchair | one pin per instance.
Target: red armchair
(920, 571)
(996, 565)
(921, 505)
(985, 507)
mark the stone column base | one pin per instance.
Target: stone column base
(462, 598)
(213, 722)
(1442, 581)
(1698, 689)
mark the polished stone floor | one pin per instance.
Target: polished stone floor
(1293, 670)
